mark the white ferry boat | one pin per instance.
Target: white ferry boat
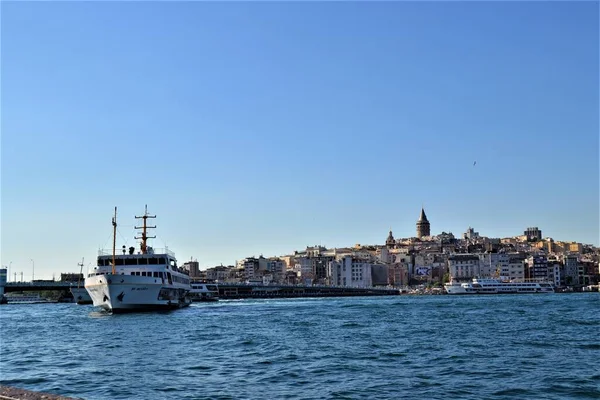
(80, 294)
(148, 280)
(202, 291)
(497, 286)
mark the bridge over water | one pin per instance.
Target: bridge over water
(37, 286)
(233, 290)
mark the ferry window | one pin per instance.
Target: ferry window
(130, 261)
(142, 261)
(155, 274)
(162, 260)
(132, 272)
(144, 273)
(119, 261)
(153, 261)
(100, 262)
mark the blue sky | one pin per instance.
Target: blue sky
(261, 128)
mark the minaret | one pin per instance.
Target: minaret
(390, 241)
(423, 228)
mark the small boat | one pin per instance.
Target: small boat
(148, 280)
(80, 294)
(202, 291)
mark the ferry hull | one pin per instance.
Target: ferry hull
(124, 293)
(496, 287)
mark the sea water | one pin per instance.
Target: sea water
(544, 346)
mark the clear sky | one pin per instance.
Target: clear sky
(261, 128)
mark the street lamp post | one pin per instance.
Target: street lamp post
(32, 269)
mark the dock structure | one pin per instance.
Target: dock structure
(244, 291)
(12, 393)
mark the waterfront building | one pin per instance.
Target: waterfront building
(463, 266)
(429, 265)
(423, 226)
(193, 268)
(537, 267)
(516, 267)
(251, 267)
(291, 278)
(554, 271)
(350, 271)
(379, 274)
(494, 264)
(313, 263)
(220, 273)
(398, 274)
(400, 265)
(277, 267)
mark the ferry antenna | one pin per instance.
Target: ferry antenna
(144, 228)
(80, 272)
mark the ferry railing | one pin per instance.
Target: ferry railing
(154, 251)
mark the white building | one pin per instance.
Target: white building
(464, 266)
(277, 268)
(494, 264)
(554, 271)
(516, 268)
(220, 273)
(350, 271)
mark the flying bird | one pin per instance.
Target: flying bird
(474, 162)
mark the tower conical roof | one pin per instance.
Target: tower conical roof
(423, 217)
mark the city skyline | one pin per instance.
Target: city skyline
(123, 241)
(254, 128)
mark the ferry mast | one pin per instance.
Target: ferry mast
(114, 223)
(144, 227)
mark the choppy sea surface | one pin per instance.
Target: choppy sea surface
(402, 347)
